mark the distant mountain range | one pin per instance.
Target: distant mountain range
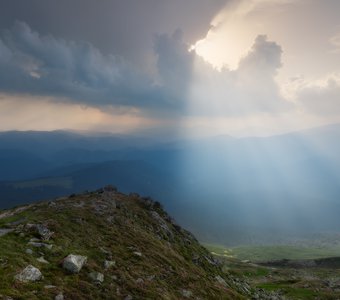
(221, 188)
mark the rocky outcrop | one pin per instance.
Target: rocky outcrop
(162, 225)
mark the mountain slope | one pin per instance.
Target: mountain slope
(134, 250)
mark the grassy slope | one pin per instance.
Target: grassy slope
(90, 225)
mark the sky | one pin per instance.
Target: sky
(194, 67)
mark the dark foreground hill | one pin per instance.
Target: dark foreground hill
(107, 245)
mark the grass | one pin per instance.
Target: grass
(289, 290)
(273, 252)
(80, 229)
(295, 284)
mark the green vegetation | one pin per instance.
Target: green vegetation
(273, 252)
(289, 291)
(107, 226)
(169, 264)
(303, 283)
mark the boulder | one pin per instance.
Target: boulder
(74, 263)
(43, 232)
(97, 277)
(30, 273)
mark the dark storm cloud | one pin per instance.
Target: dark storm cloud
(174, 63)
(78, 72)
(120, 27)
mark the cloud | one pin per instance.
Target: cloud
(79, 73)
(174, 65)
(249, 89)
(125, 28)
(264, 57)
(70, 71)
(335, 42)
(320, 98)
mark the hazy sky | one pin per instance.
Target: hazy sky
(209, 67)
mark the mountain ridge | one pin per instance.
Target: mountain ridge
(128, 246)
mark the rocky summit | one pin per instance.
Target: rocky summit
(104, 245)
(107, 245)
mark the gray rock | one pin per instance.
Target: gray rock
(110, 219)
(97, 277)
(162, 224)
(212, 261)
(139, 281)
(136, 253)
(79, 204)
(186, 293)
(108, 264)
(151, 277)
(42, 230)
(5, 231)
(30, 273)
(35, 240)
(60, 296)
(42, 260)
(29, 251)
(128, 297)
(221, 281)
(74, 263)
(40, 245)
(50, 286)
